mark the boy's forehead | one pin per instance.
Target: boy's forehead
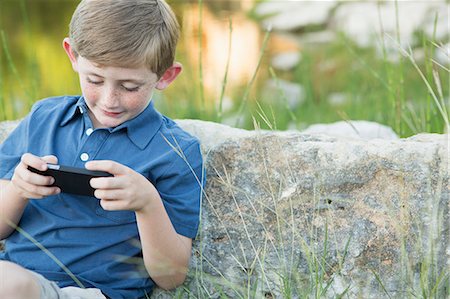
(117, 70)
(116, 65)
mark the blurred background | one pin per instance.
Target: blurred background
(269, 64)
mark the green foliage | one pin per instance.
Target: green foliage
(371, 84)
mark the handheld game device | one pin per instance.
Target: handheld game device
(72, 179)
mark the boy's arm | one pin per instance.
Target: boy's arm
(15, 194)
(166, 253)
(11, 208)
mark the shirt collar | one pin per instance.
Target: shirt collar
(73, 111)
(143, 127)
(140, 129)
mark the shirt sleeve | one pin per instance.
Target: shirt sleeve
(181, 189)
(14, 146)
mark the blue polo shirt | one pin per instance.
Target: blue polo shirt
(101, 248)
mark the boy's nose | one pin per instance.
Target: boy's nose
(110, 98)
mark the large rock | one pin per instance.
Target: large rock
(290, 215)
(359, 129)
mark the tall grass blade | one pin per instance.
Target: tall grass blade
(400, 78)
(387, 67)
(283, 95)
(200, 56)
(440, 65)
(340, 296)
(225, 77)
(347, 244)
(31, 67)
(371, 70)
(13, 68)
(264, 117)
(439, 104)
(430, 68)
(46, 251)
(377, 277)
(250, 84)
(435, 291)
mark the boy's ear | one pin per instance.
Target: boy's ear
(169, 75)
(73, 58)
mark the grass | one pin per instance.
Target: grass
(371, 86)
(410, 96)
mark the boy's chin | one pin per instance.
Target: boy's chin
(108, 123)
(112, 124)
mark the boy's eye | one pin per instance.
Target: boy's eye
(93, 81)
(131, 89)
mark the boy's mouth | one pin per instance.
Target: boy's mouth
(111, 114)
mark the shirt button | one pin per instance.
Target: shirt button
(84, 157)
(89, 131)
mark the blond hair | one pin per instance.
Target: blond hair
(126, 33)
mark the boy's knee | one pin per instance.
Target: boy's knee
(17, 282)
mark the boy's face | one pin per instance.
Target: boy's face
(116, 94)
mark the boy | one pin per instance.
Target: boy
(138, 230)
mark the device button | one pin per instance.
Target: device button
(84, 157)
(89, 131)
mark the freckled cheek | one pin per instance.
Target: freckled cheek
(132, 103)
(91, 94)
(138, 101)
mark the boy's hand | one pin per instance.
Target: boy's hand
(127, 190)
(32, 185)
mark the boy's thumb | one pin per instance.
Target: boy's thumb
(50, 159)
